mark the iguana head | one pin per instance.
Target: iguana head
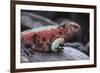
(71, 28)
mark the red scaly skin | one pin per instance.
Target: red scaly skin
(41, 40)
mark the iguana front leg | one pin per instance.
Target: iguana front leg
(55, 45)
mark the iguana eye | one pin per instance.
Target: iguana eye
(74, 26)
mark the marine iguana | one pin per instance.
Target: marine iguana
(49, 38)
